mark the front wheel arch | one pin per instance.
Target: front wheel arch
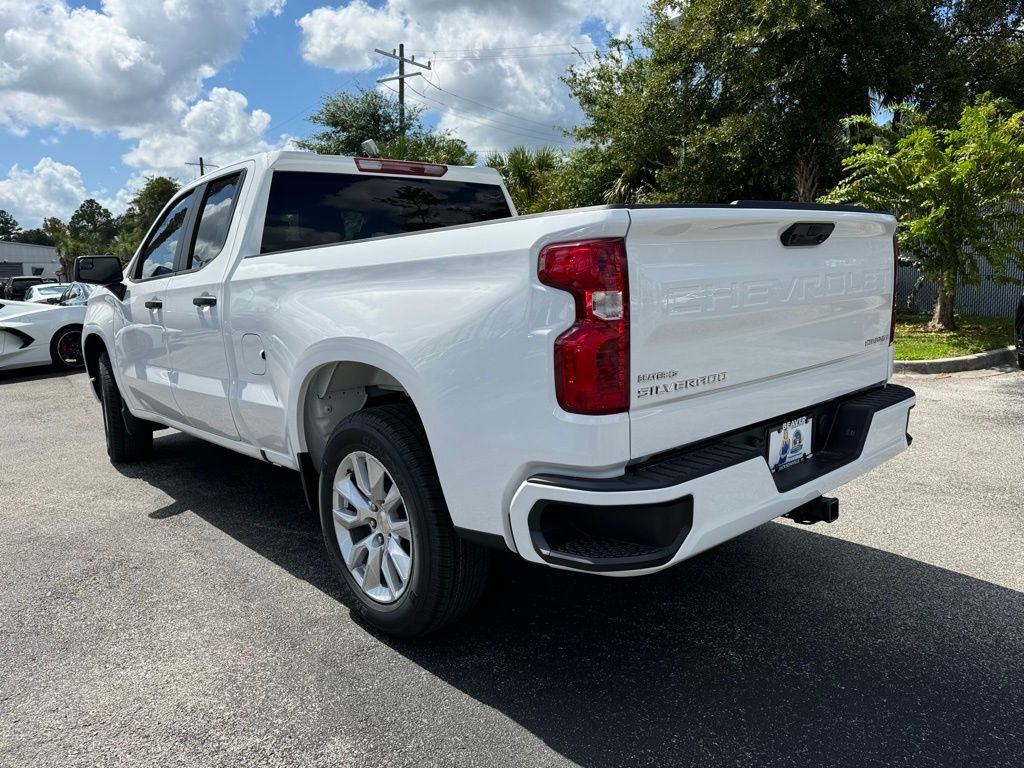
(92, 347)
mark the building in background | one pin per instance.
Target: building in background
(24, 259)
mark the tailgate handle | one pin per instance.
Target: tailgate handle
(807, 233)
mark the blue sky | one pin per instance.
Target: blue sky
(96, 95)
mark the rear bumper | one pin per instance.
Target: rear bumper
(664, 511)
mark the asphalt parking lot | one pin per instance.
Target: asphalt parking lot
(181, 613)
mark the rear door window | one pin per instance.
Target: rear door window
(307, 209)
(214, 220)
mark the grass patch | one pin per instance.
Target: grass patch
(975, 334)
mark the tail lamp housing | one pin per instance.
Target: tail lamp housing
(592, 356)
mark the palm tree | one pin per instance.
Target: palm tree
(526, 173)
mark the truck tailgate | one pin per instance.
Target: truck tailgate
(729, 327)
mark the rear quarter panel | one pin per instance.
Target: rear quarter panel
(459, 318)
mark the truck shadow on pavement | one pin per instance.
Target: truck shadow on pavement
(783, 647)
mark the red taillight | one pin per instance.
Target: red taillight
(592, 357)
(895, 271)
(377, 165)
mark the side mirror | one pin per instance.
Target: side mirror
(100, 270)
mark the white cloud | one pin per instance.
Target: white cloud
(118, 202)
(503, 59)
(338, 37)
(134, 67)
(220, 128)
(130, 64)
(49, 189)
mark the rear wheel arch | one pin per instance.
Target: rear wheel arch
(335, 390)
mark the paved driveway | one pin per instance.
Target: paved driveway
(182, 613)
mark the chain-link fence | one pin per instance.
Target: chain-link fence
(915, 294)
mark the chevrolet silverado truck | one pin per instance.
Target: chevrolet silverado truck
(610, 389)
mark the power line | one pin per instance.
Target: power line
(522, 130)
(495, 109)
(278, 124)
(498, 48)
(506, 57)
(477, 120)
(515, 129)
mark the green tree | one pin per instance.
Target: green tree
(142, 211)
(68, 249)
(151, 198)
(349, 119)
(55, 229)
(731, 98)
(123, 245)
(975, 48)
(952, 191)
(528, 174)
(727, 99)
(9, 228)
(34, 236)
(586, 176)
(429, 147)
(92, 226)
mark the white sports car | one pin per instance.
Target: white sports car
(40, 334)
(44, 293)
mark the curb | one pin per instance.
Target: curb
(1006, 355)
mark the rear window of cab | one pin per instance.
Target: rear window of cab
(309, 209)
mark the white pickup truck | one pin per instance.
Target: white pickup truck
(610, 389)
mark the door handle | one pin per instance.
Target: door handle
(205, 301)
(154, 304)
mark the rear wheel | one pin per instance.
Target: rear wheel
(129, 439)
(66, 348)
(387, 529)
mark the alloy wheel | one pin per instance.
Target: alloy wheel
(69, 349)
(372, 525)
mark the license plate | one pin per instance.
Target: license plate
(790, 443)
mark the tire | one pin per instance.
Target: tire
(446, 575)
(1020, 360)
(66, 348)
(128, 439)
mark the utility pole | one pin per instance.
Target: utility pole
(402, 61)
(203, 166)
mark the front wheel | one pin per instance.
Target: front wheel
(129, 439)
(387, 529)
